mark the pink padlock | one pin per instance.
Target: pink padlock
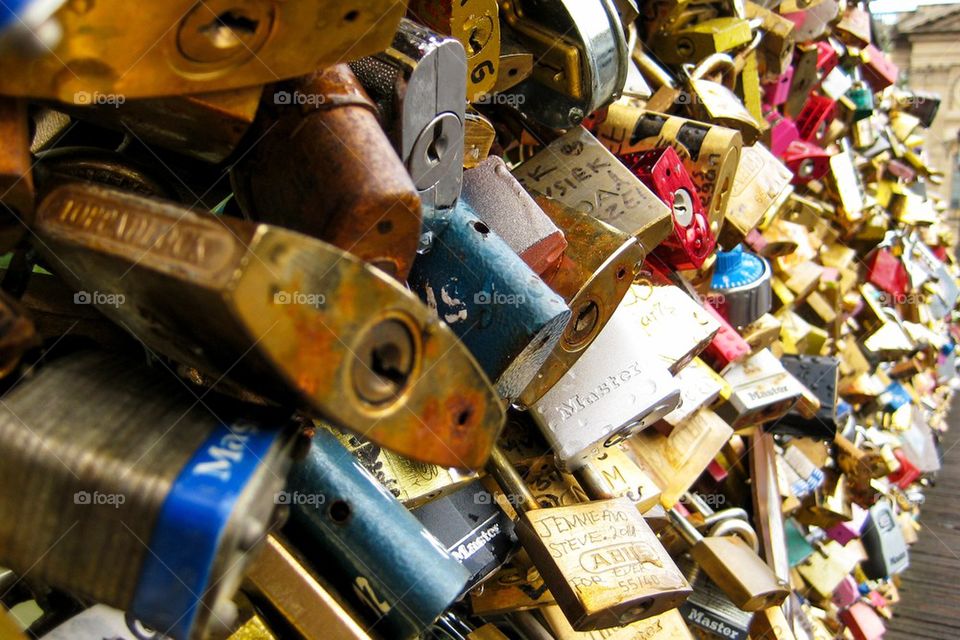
(783, 131)
(827, 58)
(846, 593)
(844, 532)
(776, 93)
(816, 113)
(863, 622)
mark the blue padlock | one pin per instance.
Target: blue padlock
(502, 311)
(356, 535)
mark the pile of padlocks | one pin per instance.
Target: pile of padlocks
(459, 319)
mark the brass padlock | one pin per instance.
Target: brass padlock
(716, 102)
(305, 171)
(476, 24)
(760, 188)
(734, 566)
(601, 560)
(695, 42)
(113, 51)
(578, 171)
(262, 293)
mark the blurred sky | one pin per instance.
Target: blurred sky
(894, 6)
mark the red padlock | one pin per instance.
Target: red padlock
(886, 272)
(827, 58)
(863, 622)
(727, 347)
(807, 161)
(815, 116)
(663, 172)
(783, 131)
(878, 69)
(776, 93)
(907, 474)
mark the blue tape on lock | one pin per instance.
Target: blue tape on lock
(176, 570)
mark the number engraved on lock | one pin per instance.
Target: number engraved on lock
(159, 238)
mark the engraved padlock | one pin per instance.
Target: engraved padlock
(620, 574)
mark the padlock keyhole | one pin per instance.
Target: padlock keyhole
(229, 30)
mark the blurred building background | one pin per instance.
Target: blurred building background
(925, 44)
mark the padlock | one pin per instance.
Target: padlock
(740, 287)
(304, 171)
(827, 567)
(364, 372)
(617, 387)
(700, 386)
(812, 17)
(883, 539)
(763, 390)
(612, 473)
(863, 622)
(710, 153)
(581, 58)
(820, 374)
(733, 566)
(419, 84)
(695, 42)
(507, 316)
(813, 118)
(807, 161)
(513, 588)
(472, 528)
(670, 323)
(709, 612)
(336, 513)
(761, 187)
(845, 181)
(771, 624)
(715, 102)
(878, 70)
(805, 77)
(776, 48)
(727, 346)
(578, 171)
(185, 48)
(279, 576)
(412, 483)
(888, 273)
(675, 461)
(666, 626)
(476, 24)
(600, 560)
(16, 177)
(117, 488)
(777, 91)
(923, 105)
(504, 206)
(593, 276)
(782, 133)
(663, 173)
(206, 126)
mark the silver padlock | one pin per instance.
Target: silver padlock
(419, 85)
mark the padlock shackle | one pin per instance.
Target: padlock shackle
(684, 527)
(510, 481)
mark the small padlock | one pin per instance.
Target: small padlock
(761, 188)
(716, 102)
(580, 58)
(612, 473)
(820, 374)
(419, 83)
(733, 566)
(663, 172)
(476, 24)
(304, 171)
(601, 560)
(741, 287)
(709, 611)
(336, 515)
(507, 316)
(883, 539)
(578, 171)
(762, 391)
(504, 206)
(614, 389)
(697, 41)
